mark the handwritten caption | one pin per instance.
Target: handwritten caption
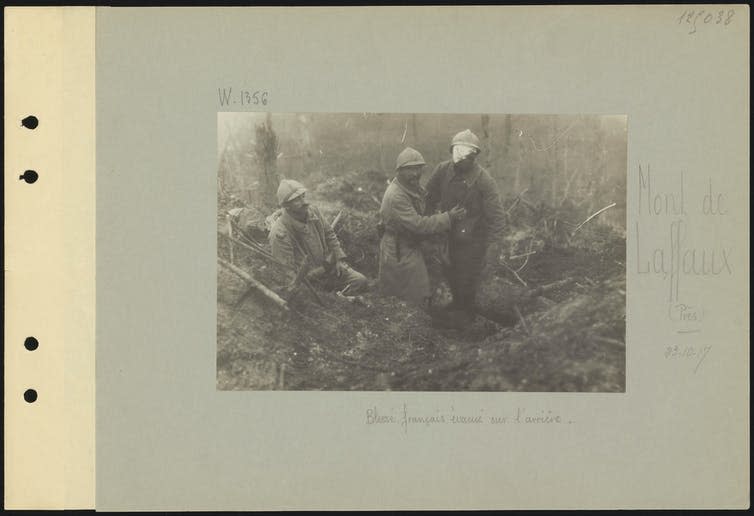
(242, 97)
(406, 418)
(675, 259)
(698, 18)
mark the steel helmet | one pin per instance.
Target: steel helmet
(288, 190)
(409, 157)
(466, 138)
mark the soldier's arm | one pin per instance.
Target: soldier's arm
(403, 214)
(283, 250)
(433, 188)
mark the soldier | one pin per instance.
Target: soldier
(462, 181)
(301, 231)
(403, 272)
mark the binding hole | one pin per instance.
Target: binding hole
(31, 343)
(30, 122)
(30, 176)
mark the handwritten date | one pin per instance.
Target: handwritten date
(699, 353)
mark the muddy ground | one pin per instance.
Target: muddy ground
(558, 326)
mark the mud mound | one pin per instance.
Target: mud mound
(359, 190)
(368, 343)
(576, 345)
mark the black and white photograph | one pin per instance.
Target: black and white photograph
(421, 252)
(380, 258)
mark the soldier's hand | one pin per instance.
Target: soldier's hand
(340, 267)
(457, 213)
(315, 273)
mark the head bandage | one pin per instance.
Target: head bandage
(462, 152)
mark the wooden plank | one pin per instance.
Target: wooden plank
(282, 303)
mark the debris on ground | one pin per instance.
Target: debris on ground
(551, 318)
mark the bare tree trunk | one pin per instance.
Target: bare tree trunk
(565, 169)
(554, 154)
(383, 167)
(485, 126)
(519, 160)
(266, 150)
(507, 137)
(488, 157)
(504, 155)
